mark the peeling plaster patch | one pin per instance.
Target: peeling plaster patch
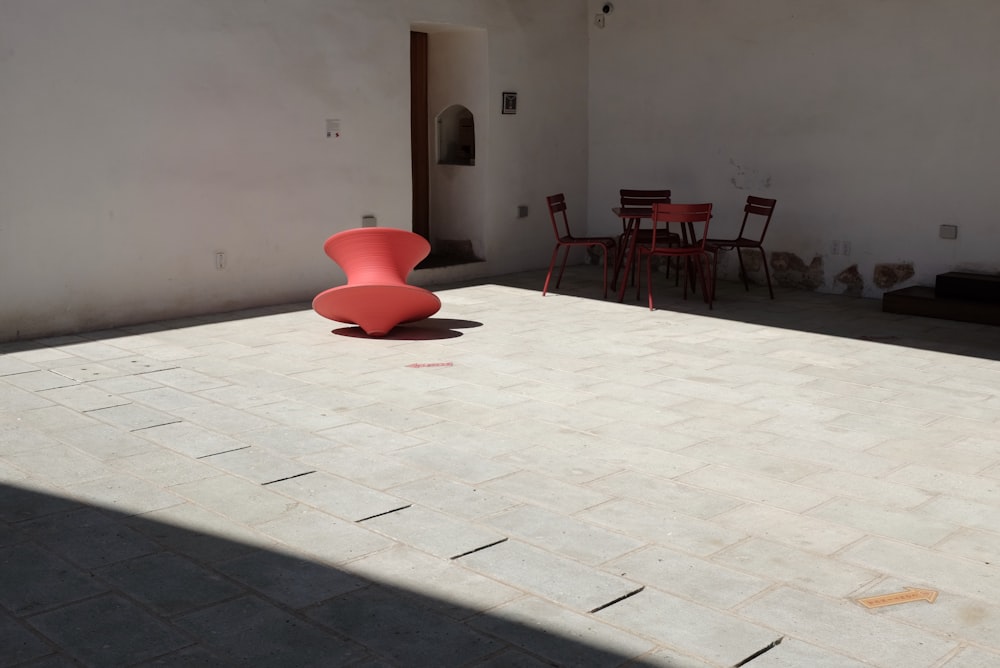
(887, 275)
(791, 272)
(851, 278)
(743, 180)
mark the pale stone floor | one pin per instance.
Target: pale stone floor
(519, 481)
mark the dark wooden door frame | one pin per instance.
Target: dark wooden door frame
(419, 140)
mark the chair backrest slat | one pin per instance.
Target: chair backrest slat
(758, 206)
(643, 198)
(684, 213)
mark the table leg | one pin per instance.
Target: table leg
(632, 233)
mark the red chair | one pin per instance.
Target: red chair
(377, 261)
(692, 248)
(566, 240)
(757, 215)
(640, 199)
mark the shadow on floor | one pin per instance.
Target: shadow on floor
(80, 583)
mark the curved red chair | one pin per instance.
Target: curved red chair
(377, 261)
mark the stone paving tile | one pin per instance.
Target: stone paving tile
(88, 371)
(689, 628)
(727, 480)
(370, 436)
(43, 581)
(433, 532)
(845, 626)
(251, 632)
(192, 440)
(167, 399)
(20, 645)
(689, 577)
(185, 379)
(222, 418)
(87, 537)
(133, 417)
(59, 464)
(364, 467)
(35, 381)
(290, 581)
(257, 465)
(455, 498)
(463, 463)
(872, 490)
(874, 520)
(299, 414)
(800, 568)
(168, 583)
(323, 537)
(15, 399)
(108, 631)
(926, 568)
(567, 638)
(338, 496)
(198, 533)
(563, 535)
(794, 653)
(83, 397)
(973, 657)
(950, 615)
(105, 443)
(240, 500)
(443, 584)
(812, 534)
(736, 455)
(564, 581)
(125, 493)
(287, 441)
(53, 418)
(972, 544)
(403, 631)
(663, 526)
(695, 501)
(164, 467)
(546, 491)
(974, 488)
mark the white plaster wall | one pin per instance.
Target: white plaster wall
(871, 122)
(137, 139)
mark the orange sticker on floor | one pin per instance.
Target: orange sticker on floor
(910, 595)
(418, 365)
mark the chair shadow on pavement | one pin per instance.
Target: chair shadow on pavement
(81, 584)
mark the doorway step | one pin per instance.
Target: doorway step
(956, 295)
(445, 253)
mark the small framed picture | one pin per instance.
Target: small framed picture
(509, 103)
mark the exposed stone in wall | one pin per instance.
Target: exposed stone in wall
(851, 278)
(791, 272)
(888, 275)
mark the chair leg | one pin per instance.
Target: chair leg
(767, 274)
(605, 270)
(649, 281)
(706, 280)
(743, 271)
(562, 268)
(552, 264)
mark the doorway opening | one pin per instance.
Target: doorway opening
(448, 102)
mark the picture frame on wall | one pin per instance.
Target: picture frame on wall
(509, 103)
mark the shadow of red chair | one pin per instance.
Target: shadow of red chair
(692, 249)
(377, 261)
(756, 219)
(566, 240)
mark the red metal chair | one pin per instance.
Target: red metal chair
(640, 199)
(566, 240)
(691, 248)
(757, 216)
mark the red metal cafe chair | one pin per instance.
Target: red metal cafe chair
(694, 219)
(756, 219)
(631, 198)
(565, 240)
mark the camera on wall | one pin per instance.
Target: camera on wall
(607, 8)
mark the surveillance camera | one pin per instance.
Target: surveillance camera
(607, 8)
